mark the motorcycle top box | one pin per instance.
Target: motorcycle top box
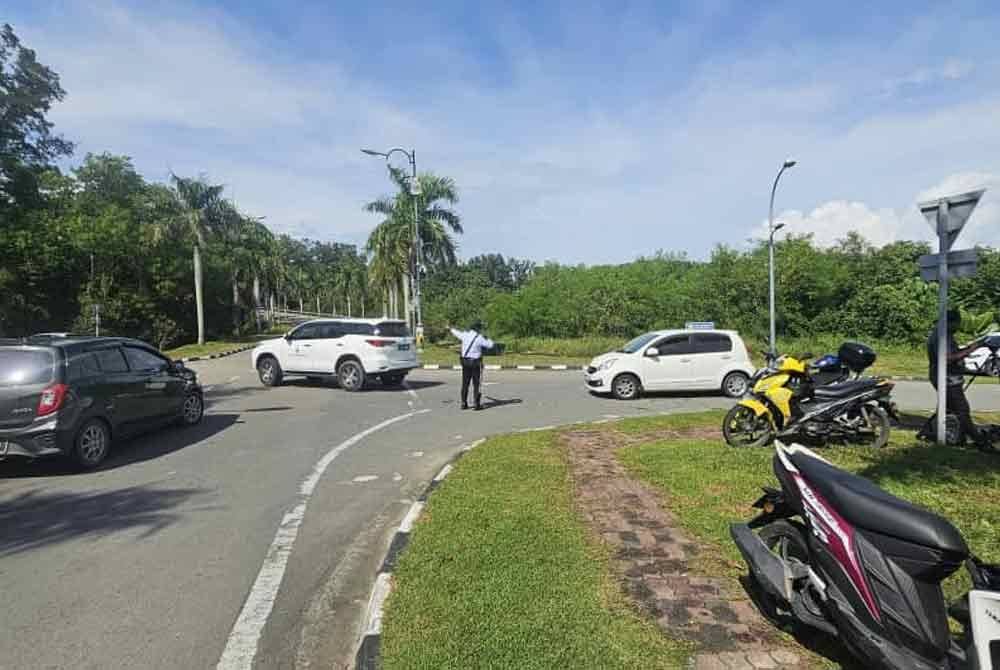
(856, 356)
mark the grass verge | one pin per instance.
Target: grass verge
(500, 573)
(893, 359)
(707, 485)
(207, 349)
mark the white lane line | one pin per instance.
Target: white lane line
(396, 477)
(416, 454)
(241, 646)
(362, 479)
(411, 517)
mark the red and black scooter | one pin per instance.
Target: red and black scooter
(834, 552)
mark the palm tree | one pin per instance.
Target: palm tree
(197, 198)
(391, 243)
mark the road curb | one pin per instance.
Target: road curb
(370, 640)
(220, 355)
(521, 368)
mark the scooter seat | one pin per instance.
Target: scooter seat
(845, 389)
(865, 505)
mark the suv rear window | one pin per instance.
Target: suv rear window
(392, 329)
(353, 328)
(21, 367)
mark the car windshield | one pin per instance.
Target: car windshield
(638, 343)
(392, 329)
(21, 368)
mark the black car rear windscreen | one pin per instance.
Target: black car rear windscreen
(25, 367)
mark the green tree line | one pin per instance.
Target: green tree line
(852, 290)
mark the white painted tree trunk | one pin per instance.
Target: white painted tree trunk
(349, 305)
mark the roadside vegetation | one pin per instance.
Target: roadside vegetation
(501, 572)
(209, 348)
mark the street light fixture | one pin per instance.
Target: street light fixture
(411, 156)
(772, 351)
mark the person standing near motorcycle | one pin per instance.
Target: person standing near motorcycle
(473, 344)
(955, 399)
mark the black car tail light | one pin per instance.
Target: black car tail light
(51, 399)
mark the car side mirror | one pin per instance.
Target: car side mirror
(652, 352)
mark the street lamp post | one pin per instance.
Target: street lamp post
(411, 156)
(772, 351)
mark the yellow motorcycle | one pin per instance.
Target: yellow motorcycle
(784, 400)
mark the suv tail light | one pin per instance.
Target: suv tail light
(381, 343)
(51, 399)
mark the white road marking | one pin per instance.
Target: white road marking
(494, 367)
(416, 454)
(361, 479)
(396, 477)
(411, 517)
(470, 447)
(444, 473)
(559, 367)
(241, 646)
(612, 416)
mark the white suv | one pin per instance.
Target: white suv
(673, 360)
(352, 350)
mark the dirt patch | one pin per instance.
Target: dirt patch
(653, 557)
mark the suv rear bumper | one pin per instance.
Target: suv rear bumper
(43, 439)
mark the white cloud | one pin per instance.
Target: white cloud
(832, 221)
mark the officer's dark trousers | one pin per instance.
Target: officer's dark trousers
(958, 405)
(472, 371)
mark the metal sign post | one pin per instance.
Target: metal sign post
(947, 216)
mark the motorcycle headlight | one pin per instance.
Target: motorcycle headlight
(606, 365)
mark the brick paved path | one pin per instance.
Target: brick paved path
(653, 554)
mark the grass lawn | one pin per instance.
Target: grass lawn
(500, 571)
(707, 485)
(207, 349)
(500, 574)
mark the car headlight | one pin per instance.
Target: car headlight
(606, 365)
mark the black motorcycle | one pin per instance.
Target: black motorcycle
(833, 552)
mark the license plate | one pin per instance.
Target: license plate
(404, 347)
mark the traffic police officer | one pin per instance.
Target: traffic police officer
(473, 344)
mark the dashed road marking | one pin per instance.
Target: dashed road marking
(362, 479)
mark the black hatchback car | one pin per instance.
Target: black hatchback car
(73, 395)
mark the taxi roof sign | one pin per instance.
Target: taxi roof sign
(700, 325)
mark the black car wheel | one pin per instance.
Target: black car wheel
(351, 376)
(92, 443)
(269, 371)
(194, 409)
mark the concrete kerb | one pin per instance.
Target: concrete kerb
(370, 640)
(231, 352)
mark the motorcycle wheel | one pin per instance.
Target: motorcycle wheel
(877, 430)
(743, 428)
(786, 539)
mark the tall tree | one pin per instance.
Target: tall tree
(391, 243)
(197, 199)
(27, 144)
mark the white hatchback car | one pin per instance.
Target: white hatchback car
(673, 360)
(352, 350)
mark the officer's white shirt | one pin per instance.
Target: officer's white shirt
(473, 343)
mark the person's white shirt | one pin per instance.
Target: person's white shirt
(473, 343)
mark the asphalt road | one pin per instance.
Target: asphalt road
(148, 563)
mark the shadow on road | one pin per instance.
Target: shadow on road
(125, 452)
(373, 386)
(37, 518)
(499, 402)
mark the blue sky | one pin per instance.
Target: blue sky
(579, 132)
